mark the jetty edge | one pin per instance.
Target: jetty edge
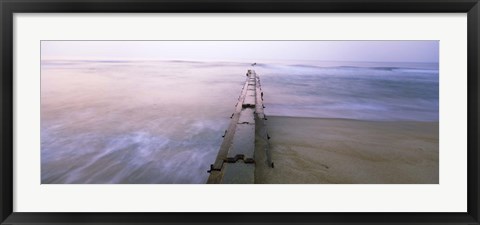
(235, 162)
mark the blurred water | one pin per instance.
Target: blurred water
(368, 91)
(162, 121)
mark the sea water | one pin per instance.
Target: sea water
(349, 90)
(162, 121)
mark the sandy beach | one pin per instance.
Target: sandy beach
(340, 151)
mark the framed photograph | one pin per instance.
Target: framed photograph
(231, 112)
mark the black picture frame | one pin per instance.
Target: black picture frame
(9, 7)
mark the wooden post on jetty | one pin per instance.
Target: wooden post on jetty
(235, 162)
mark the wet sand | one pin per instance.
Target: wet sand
(340, 151)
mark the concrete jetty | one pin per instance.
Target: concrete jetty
(235, 162)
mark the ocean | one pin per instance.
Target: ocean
(161, 122)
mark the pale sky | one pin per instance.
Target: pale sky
(362, 51)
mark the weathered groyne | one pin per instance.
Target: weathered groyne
(235, 162)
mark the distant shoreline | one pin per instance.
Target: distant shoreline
(350, 119)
